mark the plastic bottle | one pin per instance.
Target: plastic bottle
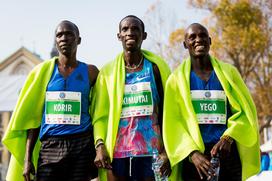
(215, 161)
(156, 164)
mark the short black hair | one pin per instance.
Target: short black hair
(69, 22)
(195, 24)
(132, 16)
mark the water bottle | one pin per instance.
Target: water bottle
(156, 165)
(215, 162)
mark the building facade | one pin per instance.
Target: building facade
(13, 72)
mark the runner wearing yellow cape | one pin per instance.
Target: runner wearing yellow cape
(208, 110)
(128, 109)
(50, 132)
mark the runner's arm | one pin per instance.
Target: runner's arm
(158, 81)
(32, 136)
(93, 73)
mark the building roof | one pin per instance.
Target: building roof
(20, 52)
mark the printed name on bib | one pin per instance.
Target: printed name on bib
(63, 107)
(137, 100)
(210, 106)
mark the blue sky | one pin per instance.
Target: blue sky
(31, 23)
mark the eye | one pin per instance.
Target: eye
(124, 29)
(192, 37)
(70, 34)
(203, 35)
(135, 28)
(58, 35)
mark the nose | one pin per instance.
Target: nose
(63, 37)
(130, 32)
(198, 39)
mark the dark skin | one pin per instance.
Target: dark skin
(67, 39)
(32, 136)
(131, 34)
(198, 42)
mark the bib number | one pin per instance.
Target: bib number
(210, 106)
(63, 107)
(137, 100)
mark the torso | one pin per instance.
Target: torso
(211, 130)
(139, 131)
(76, 84)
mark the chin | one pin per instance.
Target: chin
(200, 55)
(132, 49)
(67, 54)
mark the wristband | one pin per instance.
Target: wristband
(227, 138)
(190, 156)
(98, 143)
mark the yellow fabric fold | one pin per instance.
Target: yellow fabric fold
(108, 98)
(27, 115)
(181, 132)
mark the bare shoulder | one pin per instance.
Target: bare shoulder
(93, 73)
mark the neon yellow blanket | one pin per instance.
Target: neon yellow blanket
(108, 98)
(181, 133)
(27, 114)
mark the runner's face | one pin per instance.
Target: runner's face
(67, 38)
(197, 40)
(131, 34)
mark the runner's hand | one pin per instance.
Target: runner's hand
(223, 147)
(202, 164)
(102, 159)
(28, 169)
(165, 169)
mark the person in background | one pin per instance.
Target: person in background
(265, 161)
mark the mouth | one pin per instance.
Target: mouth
(64, 46)
(199, 47)
(130, 41)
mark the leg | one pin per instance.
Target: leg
(149, 179)
(120, 170)
(142, 169)
(50, 163)
(81, 159)
(231, 169)
(112, 177)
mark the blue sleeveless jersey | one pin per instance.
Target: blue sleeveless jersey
(211, 133)
(77, 81)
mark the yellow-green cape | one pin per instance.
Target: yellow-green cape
(108, 98)
(181, 132)
(26, 115)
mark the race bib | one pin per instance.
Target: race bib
(210, 106)
(62, 107)
(137, 100)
